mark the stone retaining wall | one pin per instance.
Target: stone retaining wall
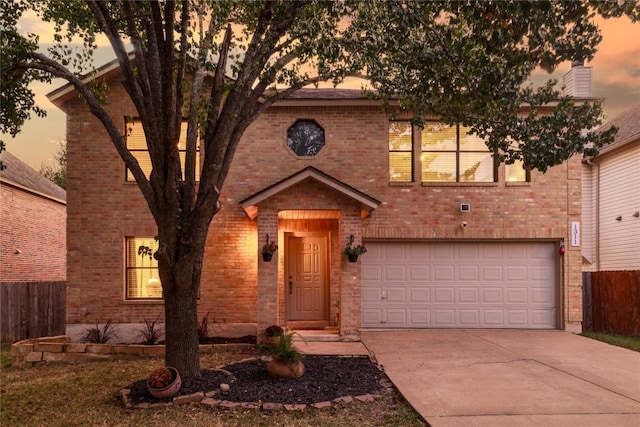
(60, 349)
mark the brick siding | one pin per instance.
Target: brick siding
(36, 226)
(237, 287)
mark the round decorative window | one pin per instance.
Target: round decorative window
(305, 138)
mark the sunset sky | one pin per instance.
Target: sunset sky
(616, 79)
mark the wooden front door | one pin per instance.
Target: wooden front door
(306, 278)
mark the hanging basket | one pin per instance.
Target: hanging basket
(266, 257)
(353, 257)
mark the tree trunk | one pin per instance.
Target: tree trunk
(181, 324)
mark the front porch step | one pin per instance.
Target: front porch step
(321, 336)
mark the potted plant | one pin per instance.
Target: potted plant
(286, 361)
(272, 334)
(164, 382)
(268, 249)
(352, 252)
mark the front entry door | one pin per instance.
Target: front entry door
(306, 278)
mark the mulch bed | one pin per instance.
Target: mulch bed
(326, 378)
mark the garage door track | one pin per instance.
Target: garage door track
(511, 378)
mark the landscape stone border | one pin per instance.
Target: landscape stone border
(32, 352)
(208, 399)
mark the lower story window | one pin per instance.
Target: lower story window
(142, 279)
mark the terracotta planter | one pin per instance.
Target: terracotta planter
(353, 257)
(266, 257)
(169, 390)
(281, 369)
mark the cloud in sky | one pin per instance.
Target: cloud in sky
(616, 78)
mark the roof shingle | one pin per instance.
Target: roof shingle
(22, 174)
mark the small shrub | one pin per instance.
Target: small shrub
(285, 351)
(97, 335)
(203, 328)
(151, 332)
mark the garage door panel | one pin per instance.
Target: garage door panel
(372, 316)
(443, 273)
(418, 272)
(490, 273)
(516, 273)
(542, 317)
(491, 252)
(395, 273)
(541, 273)
(420, 294)
(492, 318)
(397, 295)
(468, 253)
(460, 285)
(420, 317)
(541, 296)
(444, 295)
(396, 317)
(444, 318)
(492, 295)
(517, 296)
(395, 251)
(468, 318)
(516, 318)
(371, 273)
(469, 273)
(371, 295)
(468, 295)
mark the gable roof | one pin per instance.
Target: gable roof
(367, 202)
(21, 175)
(628, 124)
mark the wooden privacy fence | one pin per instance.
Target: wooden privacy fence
(611, 302)
(31, 310)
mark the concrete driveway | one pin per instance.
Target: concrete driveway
(510, 378)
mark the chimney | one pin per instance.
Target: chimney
(577, 81)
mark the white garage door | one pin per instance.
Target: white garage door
(459, 285)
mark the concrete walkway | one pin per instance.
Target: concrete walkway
(510, 378)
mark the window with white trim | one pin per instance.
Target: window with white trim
(141, 271)
(400, 151)
(137, 145)
(449, 153)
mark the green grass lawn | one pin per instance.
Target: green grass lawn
(86, 394)
(617, 340)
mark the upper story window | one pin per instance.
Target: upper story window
(137, 145)
(516, 172)
(449, 153)
(400, 151)
(142, 280)
(305, 138)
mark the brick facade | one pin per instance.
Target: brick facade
(35, 225)
(237, 286)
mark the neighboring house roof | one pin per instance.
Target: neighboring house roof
(628, 124)
(19, 174)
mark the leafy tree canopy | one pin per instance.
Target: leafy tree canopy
(221, 63)
(58, 173)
